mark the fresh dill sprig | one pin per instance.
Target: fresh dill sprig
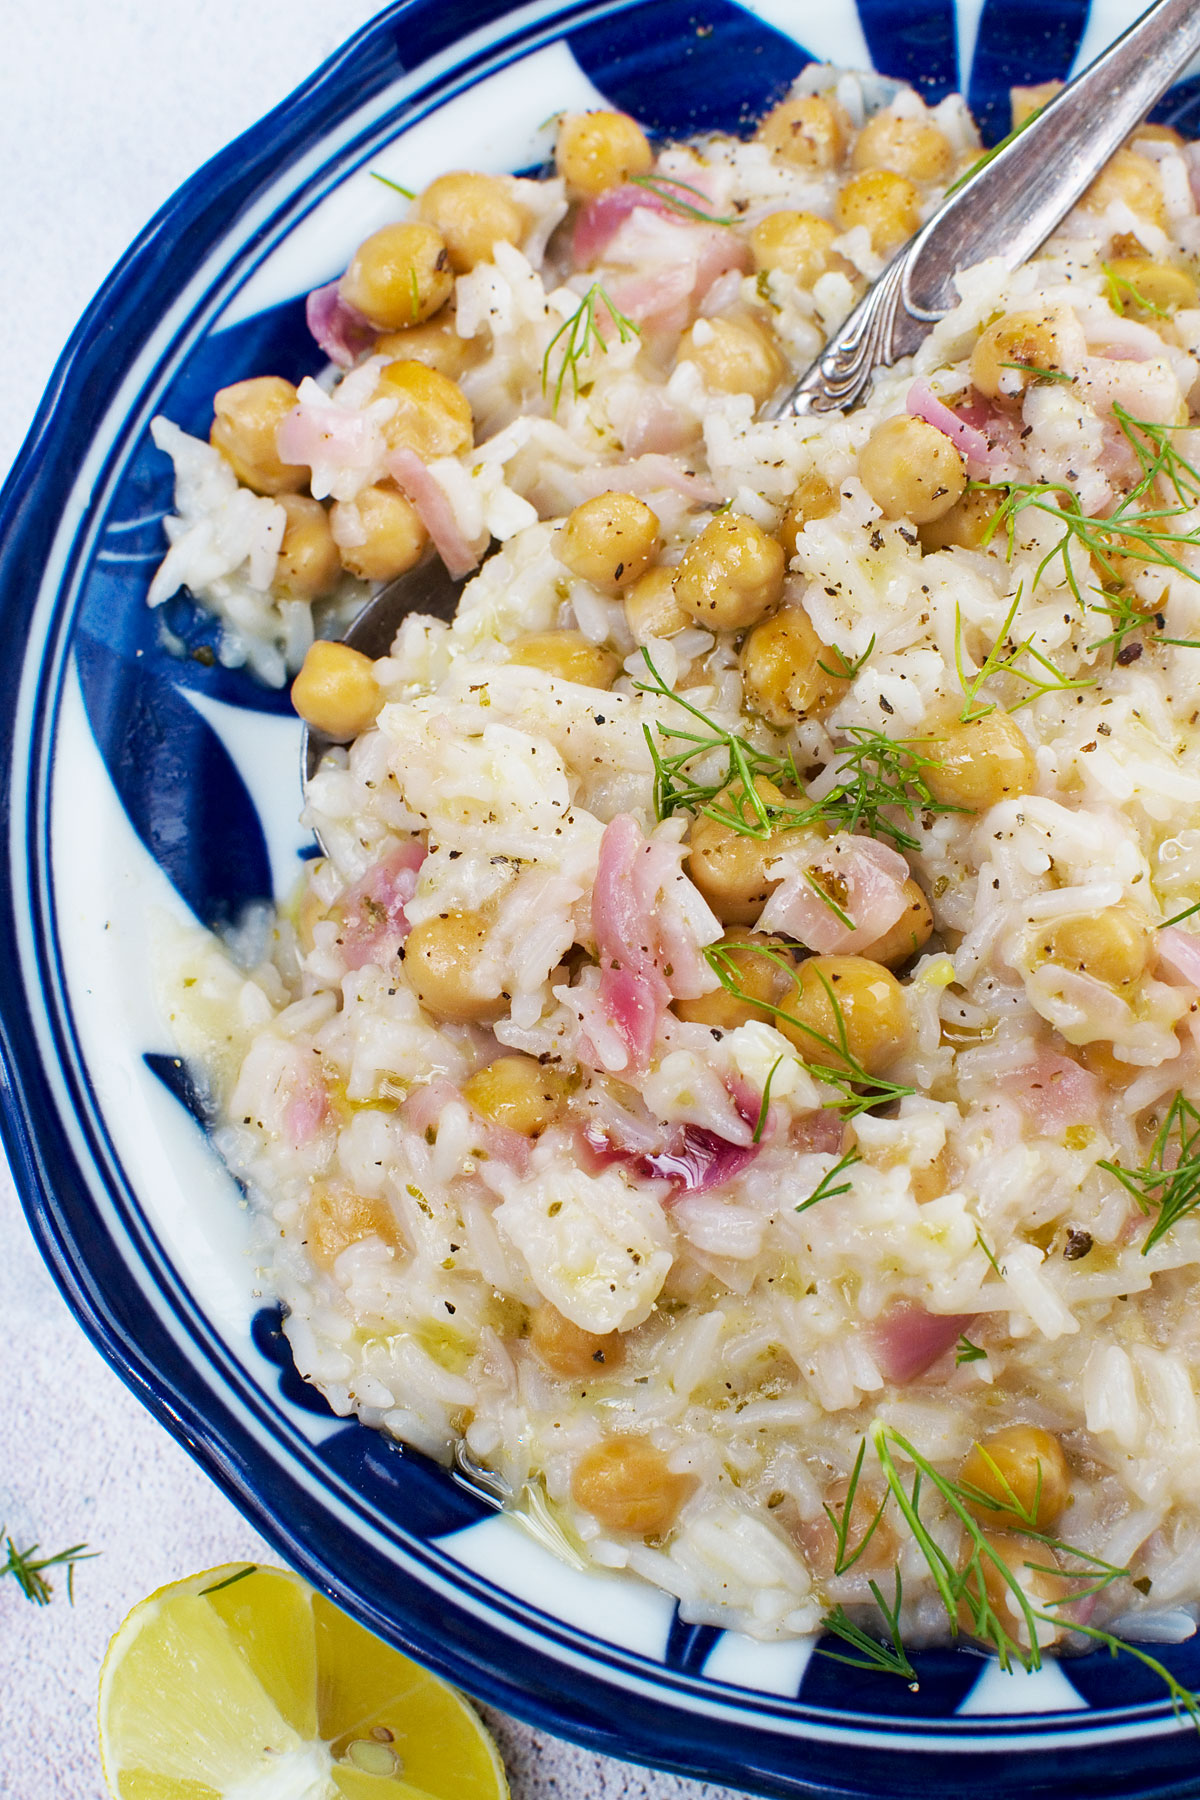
(1038, 373)
(583, 334)
(414, 298)
(1187, 913)
(860, 1090)
(996, 663)
(765, 1103)
(241, 1574)
(876, 772)
(665, 188)
(874, 1655)
(828, 1188)
(1122, 294)
(394, 185)
(990, 155)
(845, 669)
(1169, 1179)
(989, 1253)
(27, 1569)
(967, 1352)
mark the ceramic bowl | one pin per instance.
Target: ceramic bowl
(143, 782)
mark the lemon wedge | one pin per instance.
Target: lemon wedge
(244, 1683)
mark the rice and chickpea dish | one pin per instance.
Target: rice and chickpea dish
(732, 1081)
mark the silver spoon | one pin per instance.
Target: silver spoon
(1007, 207)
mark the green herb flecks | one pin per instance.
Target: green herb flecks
(877, 1656)
(582, 335)
(1038, 373)
(1169, 1179)
(670, 191)
(989, 1253)
(387, 181)
(829, 1187)
(241, 1574)
(1000, 661)
(765, 1103)
(27, 1569)
(874, 774)
(1122, 294)
(1187, 913)
(967, 1352)
(990, 155)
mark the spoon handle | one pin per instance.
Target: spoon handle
(1009, 205)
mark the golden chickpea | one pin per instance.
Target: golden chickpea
(1032, 1564)
(309, 563)
(910, 933)
(911, 470)
(338, 1217)
(445, 960)
(395, 537)
(966, 525)
(651, 609)
(432, 416)
(851, 995)
(906, 146)
(599, 150)
(978, 764)
(1163, 287)
(570, 1351)
(436, 344)
(786, 669)
(1133, 179)
(759, 977)
(336, 691)
(246, 418)
(1101, 1059)
(625, 1483)
(516, 1091)
(610, 540)
(1031, 340)
(813, 499)
(728, 866)
(887, 204)
(567, 655)
(473, 213)
(1115, 945)
(735, 356)
(810, 132)
(1023, 1470)
(730, 575)
(818, 1540)
(799, 243)
(1028, 100)
(399, 276)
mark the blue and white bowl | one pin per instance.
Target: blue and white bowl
(142, 783)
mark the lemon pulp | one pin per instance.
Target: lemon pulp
(244, 1683)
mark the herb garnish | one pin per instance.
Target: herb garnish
(1122, 293)
(994, 663)
(825, 1188)
(1170, 1177)
(990, 155)
(241, 1574)
(664, 188)
(1187, 913)
(395, 185)
(583, 335)
(876, 1657)
(967, 1352)
(1038, 373)
(765, 1103)
(26, 1568)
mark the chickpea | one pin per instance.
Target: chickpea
(336, 691)
(980, 763)
(432, 416)
(786, 669)
(246, 418)
(964, 526)
(1028, 100)
(730, 575)
(625, 1483)
(887, 204)
(651, 609)
(1031, 1563)
(399, 276)
(813, 499)
(810, 131)
(516, 1091)
(911, 470)
(799, 243)
(1115, 945)
(570, 1351)
(1162, 286)
(906, 146)
(445, 960)
(1130, 178)
(818, 1539)
(567, 655)
(758, 976)
(395, 537)
(1101, 1059)
(599, 150)
(735, 356)
(909, 934)
(1034, 340)
(338, 1217)
(1022, 1469)
(850, 994)
(309, 563)
(436, 344)
(610, 540)
(473, 213)
(729, 866)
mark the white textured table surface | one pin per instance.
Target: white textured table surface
(104, 110)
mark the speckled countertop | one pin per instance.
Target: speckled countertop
(104, 110)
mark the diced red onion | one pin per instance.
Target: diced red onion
(436, 512)
(375, 923)
(923, 403)
(906, 1340)
(1054, 1091)
(340, 329)
(1179, 954)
